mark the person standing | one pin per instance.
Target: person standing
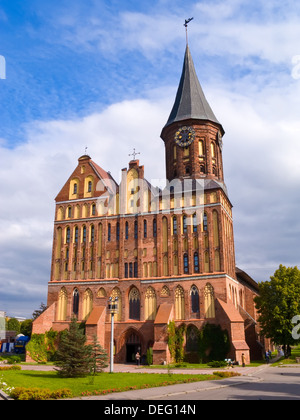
(138, 358)
(243, 360)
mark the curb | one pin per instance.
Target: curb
(5, 397)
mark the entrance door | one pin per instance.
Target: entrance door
(133, 346)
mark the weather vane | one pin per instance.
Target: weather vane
(134, 154)
(187, 21)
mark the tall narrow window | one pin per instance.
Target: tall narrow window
(150, 304)
(194, 299)
(87, 304)
(90, 186)
(154, 228)
(130, 270)
(205, 222)
(75, 189)
(134, 304)
(62, 305)
(174, 225)
(68, 235)
(76, 235)
(118, 232)
(135, 229)
(195, 223)
(186, 264)
(196, 262)
(92, 233)
(126, 230)
(135, 269)
(126, 270)
(109, 233)
(75, 302)
(184, 221)
(145, 229)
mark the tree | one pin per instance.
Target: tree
(277, 304)
(39, 311)
(98, 357)
(26, 327)
(74, 356)
(13, 325)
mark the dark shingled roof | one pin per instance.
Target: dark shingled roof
(190, 101)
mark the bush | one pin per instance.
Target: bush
(2, 368)
(227, 374)
(37, 394)
(215, 364)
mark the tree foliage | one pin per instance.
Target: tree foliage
(278, 303)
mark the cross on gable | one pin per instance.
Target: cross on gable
(134, 154)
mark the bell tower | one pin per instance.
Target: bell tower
(193, 135)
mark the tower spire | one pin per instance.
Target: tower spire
(187, 21)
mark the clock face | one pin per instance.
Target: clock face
(185, 136)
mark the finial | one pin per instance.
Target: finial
(134, 154)
(187, 21)
(85, 150)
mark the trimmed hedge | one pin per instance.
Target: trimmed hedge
(38, 394)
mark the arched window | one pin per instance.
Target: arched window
(76, 232)
(92, 233)
(134, 304)
(205, 222)
(192, 338)
(62, 305)
(179, 303)
(87, 304)
(194, 300)
(84, 234)
(75, 302)
(154, 228)
(196, 262)
(68, 235)
(135, 229)
(165, 292)
(209, 301)
(174, 225)
(109, 232)
(184, 222)
(186, 264)
(150, 304)
(118, 232)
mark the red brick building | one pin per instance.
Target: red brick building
(166, 254)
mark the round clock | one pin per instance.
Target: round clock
(185, 136)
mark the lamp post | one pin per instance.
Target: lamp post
(112, 309)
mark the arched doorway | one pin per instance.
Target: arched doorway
(133, 345)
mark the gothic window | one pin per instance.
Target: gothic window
(94, 210)
(126, 271)
(68, 235)
(84, 234)
(75, 189)
(109, 233)
(75, 302)
(165, 234)
(186, 264)
(130, 270)
(92, 233)
(179, 303)
(165, 292)
(154, 228)
(69, 211)
(174, 225)
(126, 230)
(62, 305)
(134, 304)
(205, 222)
(145, 229)
(216, 229)
(194, 299)
(195, 223)
(87, 304)
(196, 262)
(192, 335)
(118, 232)
(90, 186)
(150, 304)
(184, 222)
(76, 235)
(209, 301)
(135, 269)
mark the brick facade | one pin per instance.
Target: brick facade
(167, 255)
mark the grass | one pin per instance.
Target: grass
(103, 383)
(291, 360)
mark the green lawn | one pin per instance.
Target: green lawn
(115, 382)
(292, 359)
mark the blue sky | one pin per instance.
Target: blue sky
(104, 74)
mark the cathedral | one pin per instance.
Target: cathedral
(164, 254)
